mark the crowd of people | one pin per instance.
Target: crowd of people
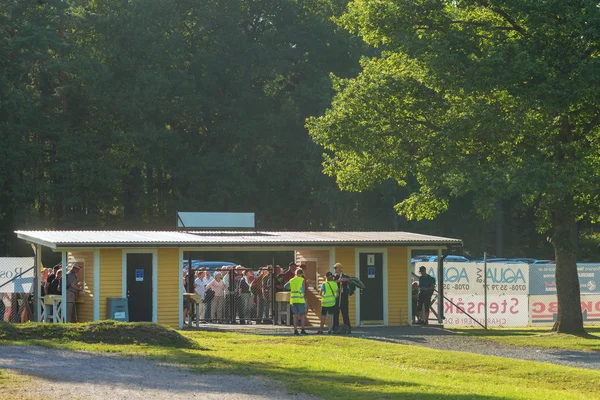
(234, 294)
(18, 307)
(250, 297)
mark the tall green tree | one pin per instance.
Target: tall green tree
(496, 99)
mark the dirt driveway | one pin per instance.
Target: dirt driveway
(63, 374)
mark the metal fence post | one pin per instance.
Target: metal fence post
(440, 287)
(485, 297)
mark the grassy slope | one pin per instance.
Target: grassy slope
(539, 338)
(343, 367)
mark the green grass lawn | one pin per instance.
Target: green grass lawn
(352, 368)
(539, 338)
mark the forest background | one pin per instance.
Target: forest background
(116, 114)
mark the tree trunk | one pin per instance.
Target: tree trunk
(564, 241)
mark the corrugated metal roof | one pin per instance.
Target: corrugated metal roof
(66, 239)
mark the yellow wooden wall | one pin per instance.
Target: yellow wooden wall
(168, 287)
(85, 310)
(397, 286)
(111, 276)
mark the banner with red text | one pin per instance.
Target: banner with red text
(503, 310)
(543, 309)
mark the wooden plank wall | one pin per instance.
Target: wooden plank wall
(397, 286)
(168, 287)
(111, 280)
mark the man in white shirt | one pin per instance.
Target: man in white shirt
(199, 286)
(207, 309)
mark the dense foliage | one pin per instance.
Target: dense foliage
(118, 113)
(497, 99)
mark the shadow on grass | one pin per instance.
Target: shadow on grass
(111, 332)
(164, 374)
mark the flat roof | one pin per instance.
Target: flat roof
(71, 239)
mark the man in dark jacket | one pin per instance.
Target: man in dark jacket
(426, 288)
(343, 282)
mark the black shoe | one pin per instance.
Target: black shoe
(296, 332)
(329, 332)
(303, 332)
(319, 332)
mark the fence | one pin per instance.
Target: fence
(16, 289)
(238, 296)
(517, 295)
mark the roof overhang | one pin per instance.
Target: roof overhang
(59, 240)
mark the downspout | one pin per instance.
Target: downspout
(440, 274)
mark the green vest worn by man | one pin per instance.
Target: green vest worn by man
(329, 295)
(297, 290)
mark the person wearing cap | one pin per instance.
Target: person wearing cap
(426, 288)
(343, 282)
(73, 287)
(328, 293)
(297, 299)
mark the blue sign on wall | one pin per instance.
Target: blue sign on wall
(139, 275)
(542, 278)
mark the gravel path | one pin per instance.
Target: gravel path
(64, 374)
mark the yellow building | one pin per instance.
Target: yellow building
(146, 267)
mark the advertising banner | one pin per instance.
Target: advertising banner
(542, 278)
(543, 309)
(503, 310)
(468, 278)
(16, 274)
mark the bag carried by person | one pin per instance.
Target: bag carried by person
(208, 296)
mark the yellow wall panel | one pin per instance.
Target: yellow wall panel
(168, 287)
(111, 276)
(397, 286)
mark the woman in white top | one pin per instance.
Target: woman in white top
(217, 306)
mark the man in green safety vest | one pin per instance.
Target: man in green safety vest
(329, 293)
(297, 299)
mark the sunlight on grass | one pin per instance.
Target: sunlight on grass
(353, 368)
(536, 337)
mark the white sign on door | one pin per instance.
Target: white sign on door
(370, 260)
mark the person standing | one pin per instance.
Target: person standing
(206, 279)
(343, 282)
(199, 288)
(426, 288)
(245, 297)
(415, 301)
(73, 288)
(290, 273)
(298, 300)
(329, 294)
(218, 286)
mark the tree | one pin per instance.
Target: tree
(495, 99)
